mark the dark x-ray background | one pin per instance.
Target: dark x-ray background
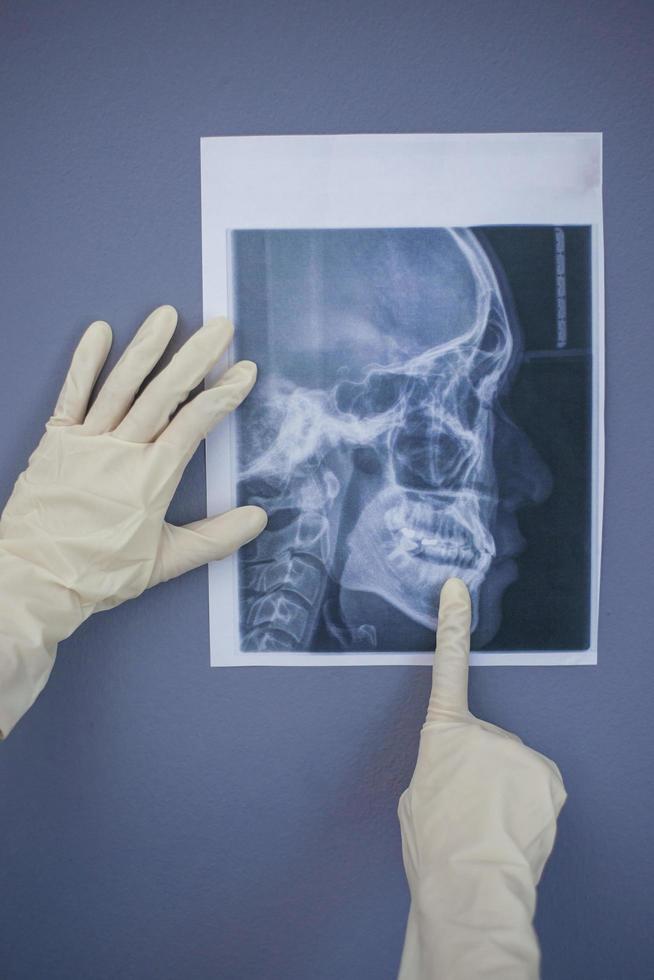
(549, 398)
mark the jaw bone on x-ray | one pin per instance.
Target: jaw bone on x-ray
(386, 437)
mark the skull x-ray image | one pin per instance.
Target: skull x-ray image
(423, 410)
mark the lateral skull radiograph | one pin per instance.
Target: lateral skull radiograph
(397, 433)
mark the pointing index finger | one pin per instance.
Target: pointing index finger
(449, 692)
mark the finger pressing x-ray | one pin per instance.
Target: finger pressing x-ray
(477, 819)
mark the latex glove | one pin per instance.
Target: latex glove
(84, 528)
(478, 822)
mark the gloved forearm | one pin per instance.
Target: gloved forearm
(35, 614)
(453, 940)
(478, 823)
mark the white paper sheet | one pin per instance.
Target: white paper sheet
(420, 306)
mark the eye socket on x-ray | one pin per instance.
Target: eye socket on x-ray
(378, 438)
(425, 460)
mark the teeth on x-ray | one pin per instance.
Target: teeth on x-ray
(370, 437)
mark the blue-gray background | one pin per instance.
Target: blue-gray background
(162, 820)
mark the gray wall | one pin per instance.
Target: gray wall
(162, 820)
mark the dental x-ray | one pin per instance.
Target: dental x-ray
(423, 410)
(426, 312)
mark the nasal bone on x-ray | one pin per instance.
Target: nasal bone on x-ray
(377, 440)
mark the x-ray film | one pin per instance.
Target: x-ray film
(427, 316)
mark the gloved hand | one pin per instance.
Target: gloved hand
(478, 822)
(84, 528)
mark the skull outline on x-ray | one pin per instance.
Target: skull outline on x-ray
(375, 452)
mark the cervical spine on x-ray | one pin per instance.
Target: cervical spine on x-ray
(420, 428)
